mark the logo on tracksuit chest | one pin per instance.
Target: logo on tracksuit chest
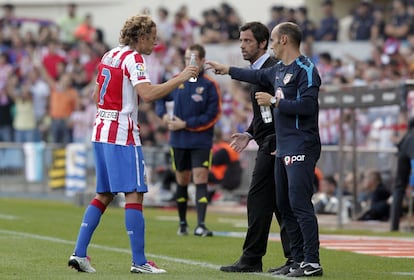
(291, 159)
(198, 96)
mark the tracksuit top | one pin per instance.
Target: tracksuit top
(199, 105)
(296, 118)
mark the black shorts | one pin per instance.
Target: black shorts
(187, 159)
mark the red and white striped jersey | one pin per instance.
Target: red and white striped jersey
(117, 118)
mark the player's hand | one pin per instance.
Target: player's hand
(263, 98)
(219, 69)
(188, 72)
(239, 141)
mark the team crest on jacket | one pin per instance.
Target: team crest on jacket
(199, 90)
(287, 78)
(140, 70)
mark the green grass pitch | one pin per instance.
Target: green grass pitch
(37, 237)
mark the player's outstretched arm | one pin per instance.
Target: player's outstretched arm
(149, 92)
(218, 68)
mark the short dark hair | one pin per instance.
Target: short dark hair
(259, 30)
(201, 50)
(292, 30)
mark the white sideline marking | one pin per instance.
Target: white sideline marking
(8, 217)
(118, 250)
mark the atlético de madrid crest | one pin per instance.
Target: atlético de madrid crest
(287, 78)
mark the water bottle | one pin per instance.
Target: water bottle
(169, 105)
(193, 62)
(266, 114)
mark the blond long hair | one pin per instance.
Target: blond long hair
(135, 27)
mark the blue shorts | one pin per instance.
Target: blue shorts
(119, 168)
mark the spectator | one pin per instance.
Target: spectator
(85, 31)
(164, 25)
(231, 21)
(325, 200)
(183, 27)
(24, 122)
(277, 15)
(398, 26)
(232, 25)
(81, 121)
(307, 25)
(376, 197)
(40, 95)
(326, 68)
(362, 22)
(328, 26)
(53, 59)
(6, 103)
(213, 29)
(226, 170)
(9, 24)
(64, 99)
(378, 27)
(67, 26)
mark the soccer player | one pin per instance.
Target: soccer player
(122, 77)
(296, 82)
(197, 108)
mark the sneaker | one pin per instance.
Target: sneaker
(149, 267)
(202, 231)
(289, 266)
(183, 229)
(306, 270)
(81, 264)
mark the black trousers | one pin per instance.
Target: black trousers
(401, 182)
(261, 205)
(294, 190)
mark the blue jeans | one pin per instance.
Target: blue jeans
(6, 133)
(22, 136)
(60, 131)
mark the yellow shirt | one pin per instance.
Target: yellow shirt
(25, 117)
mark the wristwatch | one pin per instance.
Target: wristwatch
(273, 101)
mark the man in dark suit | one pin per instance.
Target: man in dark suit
(261, 198)
(404, 174)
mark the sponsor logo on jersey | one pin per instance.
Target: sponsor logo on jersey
(291, 159)
(287, 78)
(140, 70)
(111, 115)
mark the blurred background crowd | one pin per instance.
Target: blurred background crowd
(47, 76)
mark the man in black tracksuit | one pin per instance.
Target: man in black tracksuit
(296, 82)
(261, 198)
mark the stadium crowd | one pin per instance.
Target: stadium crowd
(47, 77)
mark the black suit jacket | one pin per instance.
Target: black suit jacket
(257, 127)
